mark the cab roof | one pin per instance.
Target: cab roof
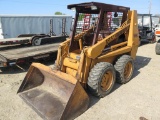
(87, 7)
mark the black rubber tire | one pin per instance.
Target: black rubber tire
(140, 42)
(157, 48)
(153, 40)
(95, 78)
(34, 41)
(120, 69)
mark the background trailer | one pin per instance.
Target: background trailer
(12, 26)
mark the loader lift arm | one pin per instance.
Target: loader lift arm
(95, 50)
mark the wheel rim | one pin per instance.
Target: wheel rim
(36, 42)
(107, 81)
(128, 70)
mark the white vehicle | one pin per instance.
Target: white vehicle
(157, 32)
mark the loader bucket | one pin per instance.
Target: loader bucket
(54, 95)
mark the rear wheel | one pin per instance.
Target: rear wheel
(140, 41)
(153, 40)
(101, 79)
(124, 69)
(157, 48)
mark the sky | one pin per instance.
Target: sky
(49, 7)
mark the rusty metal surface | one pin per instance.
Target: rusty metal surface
(83, 7)
(47, 105)
(52, 95)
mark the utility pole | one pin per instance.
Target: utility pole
(150, 5)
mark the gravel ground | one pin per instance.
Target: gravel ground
(138, 98)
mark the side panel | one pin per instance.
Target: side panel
(16, 25)
(133, 38)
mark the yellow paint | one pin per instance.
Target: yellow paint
(79, 63)
(69, 62)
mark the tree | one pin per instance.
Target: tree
(59, 13)
(81, 16)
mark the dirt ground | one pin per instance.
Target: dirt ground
(138, 98)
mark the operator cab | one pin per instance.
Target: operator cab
(93, 22)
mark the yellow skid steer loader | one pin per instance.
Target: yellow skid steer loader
(91, 60)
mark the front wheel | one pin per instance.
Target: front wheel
(101, 79)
